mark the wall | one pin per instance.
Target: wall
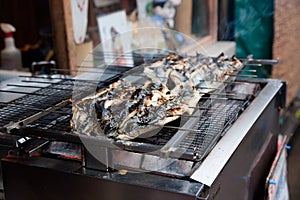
(286, 46)
(254, 31)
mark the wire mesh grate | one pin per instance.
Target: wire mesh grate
(210, 127)
(216, 117)
(26, 106)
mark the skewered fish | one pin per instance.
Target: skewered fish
(175, 85)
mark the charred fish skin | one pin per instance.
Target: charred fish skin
(150, 109)
(84, 120)
(174, 86)
(88, 111)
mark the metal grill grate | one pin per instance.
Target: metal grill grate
(210, 127)
(215, 118)
(29, 105)
(54, 121)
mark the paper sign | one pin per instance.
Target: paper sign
(115, 39)
(79, 18)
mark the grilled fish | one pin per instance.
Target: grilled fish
(174, 87)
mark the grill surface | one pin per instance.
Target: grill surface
(215, 118)
(254, 126)
(56, 125)
(29, 105)
(211, 126)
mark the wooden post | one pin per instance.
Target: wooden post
(62, 28)
(213, 19)
(183, 17)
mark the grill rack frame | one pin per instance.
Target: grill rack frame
(137, 146)
(20, 127)
(21, 130)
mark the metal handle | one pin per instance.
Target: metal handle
(250, 60)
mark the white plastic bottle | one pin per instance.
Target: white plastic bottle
(10, 56)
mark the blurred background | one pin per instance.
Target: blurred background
(268, 29)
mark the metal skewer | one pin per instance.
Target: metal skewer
(247, 70)
(206, 88)
(242, 75)
(141, 75)
(221, 94)
(130, 55)
(40, 87)
(69, 70)
(198, 116)
(144, 75)
(259, 61)
(253, 64)
(55, 78)
(246, 61)
(46, 82)
(48, 77)
(174, 127)
(90, 82)
(86, 82)
(104, 72)
(215, 98)
(29, 93)
(202, 108)
(33, 108)
(31, 104)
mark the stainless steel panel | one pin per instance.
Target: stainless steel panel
(212, 166)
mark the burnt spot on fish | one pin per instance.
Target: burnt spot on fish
(136, 93)
(221, 55)
(110, 128)
(144, 118)
(132, 108)
(105, 118)
(174, 109)
(99, 108)
(136, 105)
